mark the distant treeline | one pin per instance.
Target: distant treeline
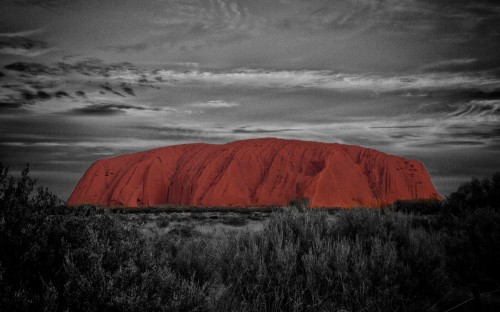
(411, 256)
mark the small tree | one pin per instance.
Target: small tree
(475, 194)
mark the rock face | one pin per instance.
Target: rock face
(259, 172)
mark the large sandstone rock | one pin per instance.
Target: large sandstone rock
(260, 172)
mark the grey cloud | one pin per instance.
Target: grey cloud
(25, 96)
(10, 106)
(128, 90)
(450, 124)
(214, 14)
(472, 112)
(399, 127)
(22, 46)
(60, 94)
(17, 103)
(106, 109)
(361, 15)
(31, 68)
(172, 132)
(110, 89)
(492, 134)
(404, 136)
(454, 143)
(487, 134)
(176, 133)
(451, 65)
(477, 108)
(260, 131)
(463, 104)
(464, 65)
(343, 17)
(454, 21)
(435, 107)
(326, 79)
(39, 95)
(215, 104)
(22, 33)
(485, 85)
(96, 67)
(172, 129)
(37, 82)
(189, 25)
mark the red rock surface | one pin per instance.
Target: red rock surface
(259, 172)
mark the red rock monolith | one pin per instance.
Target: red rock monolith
(254, 173)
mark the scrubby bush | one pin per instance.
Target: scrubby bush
(472, 243)
(421, 206)
(93, 262)
(24, 240)
(87, 259)
(474, 194)
(304, 262)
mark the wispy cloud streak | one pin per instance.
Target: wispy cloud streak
(19, 43)
(215, 104)
(331, 80)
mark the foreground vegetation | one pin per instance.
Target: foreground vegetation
(413, 256)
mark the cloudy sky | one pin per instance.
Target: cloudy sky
(86, 79)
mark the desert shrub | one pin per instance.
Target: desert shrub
(300, 204)
(361, 223)
(471, 226)
(473, 248)
(115, 269)
(304, 262)
(88, 259)
(417, 206)
(24, 240)
(236, 220)
(163, 222)
(80, 261)
(182, 230)
(196, 259)
(474, 194)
